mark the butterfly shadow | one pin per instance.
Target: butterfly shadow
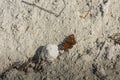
(36, 57)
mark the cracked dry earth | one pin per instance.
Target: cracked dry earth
(27, 25)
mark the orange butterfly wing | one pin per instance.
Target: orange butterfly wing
(71, 40)
(66, 46)
(67, 43)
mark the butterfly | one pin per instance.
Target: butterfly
(68, 42)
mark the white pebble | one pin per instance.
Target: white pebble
(50, 52)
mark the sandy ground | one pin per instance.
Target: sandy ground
(27, 25)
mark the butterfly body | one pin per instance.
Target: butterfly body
(67, 43)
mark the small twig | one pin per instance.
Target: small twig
(62, 9)
(27, 28)
(99, 51)
(88, 12)
(57, 15)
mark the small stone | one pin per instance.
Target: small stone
(50, 52)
